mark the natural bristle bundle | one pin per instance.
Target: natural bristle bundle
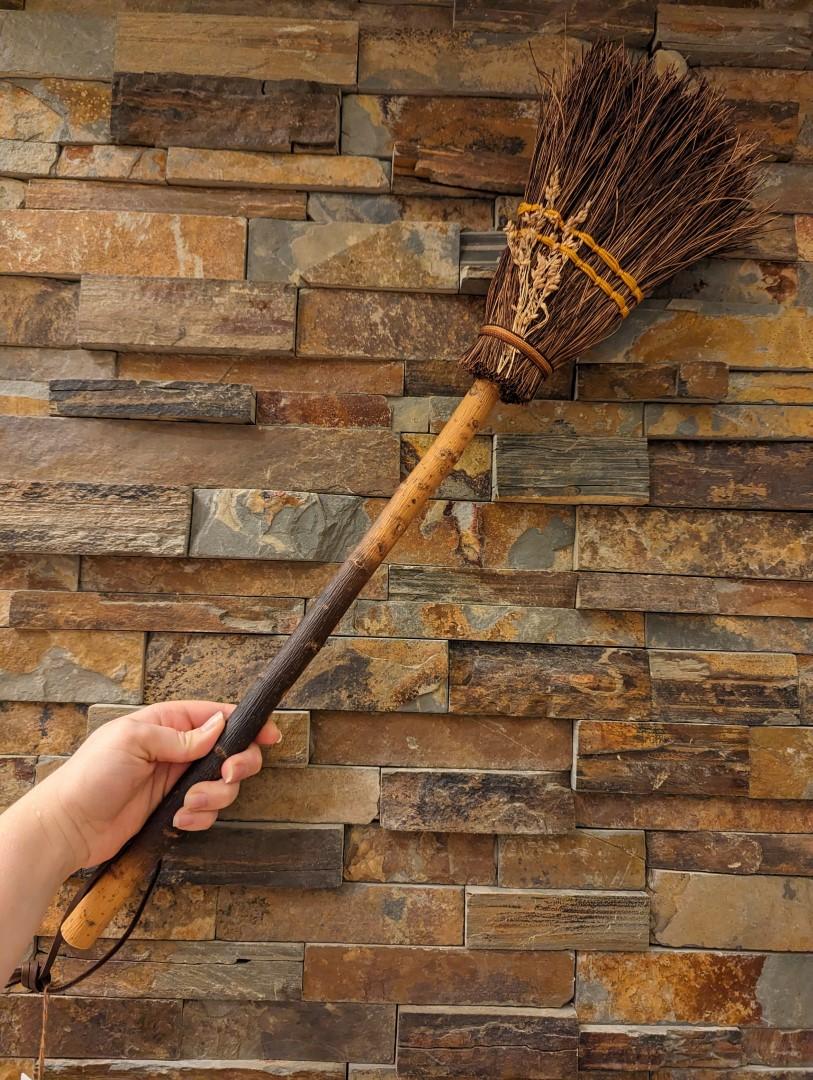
(635, 176)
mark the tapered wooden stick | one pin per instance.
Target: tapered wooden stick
(127, 872)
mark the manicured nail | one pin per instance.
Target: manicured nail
(213, 722)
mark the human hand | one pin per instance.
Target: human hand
(105, 792)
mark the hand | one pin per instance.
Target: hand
(103, 794)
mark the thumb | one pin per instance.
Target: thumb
(168, 744)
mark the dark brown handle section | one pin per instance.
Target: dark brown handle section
(90, 917)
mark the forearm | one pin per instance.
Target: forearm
(33, 864)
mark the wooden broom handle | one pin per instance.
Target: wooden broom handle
(128, 871)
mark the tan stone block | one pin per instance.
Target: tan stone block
(646, 382)
(693, 987)
(56, 43)
(39, 571)
(375, 854)
(67, 243)
(458, 62)
(84, 518)
(583, 859)
(26, 159)
(141, 164)
(559, 919)
(659, 1047)
(17, 775)
(643, 540)
(41, 728)
(437, 976)
(454, 742)
(254, 47)
(187, 316)
(316, 794)
(221, 577)
(731, 852)
(177, 913)
(360, 913)
(677, 813)
(71, 665)
(37, 312)
(54, 110)
(426, 800)
(732, 911)
(243, 168)
(571, 418)
(162, 199)
(402, 255)
(781, 763)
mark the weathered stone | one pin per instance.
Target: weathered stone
(728, 422)
(360, 913)
(54, 110)
(659, 1047)
(223, 113)
(47, 364)
(554, 468)
(738, 687)
(71, 666)
(83, 518)
(458, 62)
(180, 912)
(703, 595)
(318, 795)
(469, 213)
(142, 164)
(670, 759)
(438, 976)
(694, 987)
(766, 1047)
(403, 255)
(245, 168)
(469, 479)
(660, 541)
(127, 400)
(679, 813)
(426, 800)
(549, 680)
(732, 911)
(39, 44)
(527, 589)
(17, 775)
(83, 1026)
(284, 374)
(483, 622)
(162, 199)
(68, 244)
(376, 854)
(507, 919)
(219, 577)
(698, 379)
(323, 410)
(498, 1044)
(571, 418)
(781, 763)
(729, 633)
(373, 124)
(259, 48)
(584, 859)
(380, 325)
(291, 1030)
(771, 476)
(687, 330)
(39, 571)
(38, 610)
(26, 159)
(121, 452)
(773, 39)
(187, 316)
(421, 740)
(731, 853)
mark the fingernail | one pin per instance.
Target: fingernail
(213, 722)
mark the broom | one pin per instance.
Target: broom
(635, 176)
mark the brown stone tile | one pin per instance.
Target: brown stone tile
(422, 976)
(376, 854)
(781, 763)
(583, 859)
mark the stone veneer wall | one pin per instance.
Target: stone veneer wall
(616, 581)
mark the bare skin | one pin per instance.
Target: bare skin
(84, 812)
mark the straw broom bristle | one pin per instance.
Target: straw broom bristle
(650, 166)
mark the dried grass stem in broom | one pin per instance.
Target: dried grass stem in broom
(634, 176)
